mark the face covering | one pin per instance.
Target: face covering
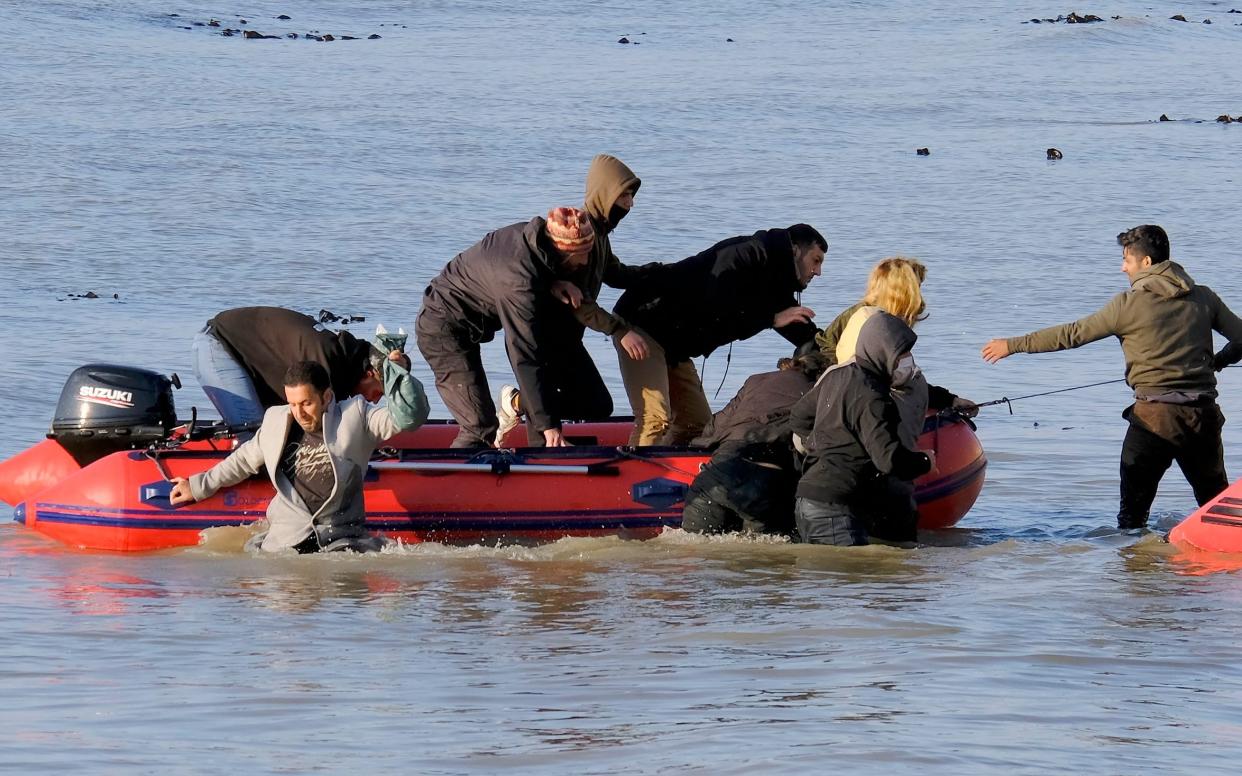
(615, 215)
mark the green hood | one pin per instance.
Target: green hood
(606, 181)
(1166, 279)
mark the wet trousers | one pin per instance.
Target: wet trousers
(823, 522)
(736, 494)
(1160, 434)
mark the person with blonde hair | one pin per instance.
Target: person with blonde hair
(895, 287)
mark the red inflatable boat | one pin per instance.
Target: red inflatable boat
(1216, 526)
(74, 488)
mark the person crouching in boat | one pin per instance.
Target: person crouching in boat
(895, 286)
(241, 355)
(850, 429)
(1165, 324)
(749, 483)
(731, 291)
(610, 190)
(505, 281)
(316, 450)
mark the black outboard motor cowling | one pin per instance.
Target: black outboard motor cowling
(105, 408)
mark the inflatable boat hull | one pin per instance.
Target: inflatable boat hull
(424, 492)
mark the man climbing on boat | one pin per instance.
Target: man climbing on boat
(241, 355)
(610, 190)
(1165, 324)
(506, 281)
(316, 451)
(731, 291)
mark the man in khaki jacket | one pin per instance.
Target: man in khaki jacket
(1165, 324)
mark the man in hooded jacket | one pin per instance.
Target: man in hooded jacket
(610, 190)
(1165, 324)
(731, 291)
(850, 427)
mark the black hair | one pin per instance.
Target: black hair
(805, 235)
(1146, 240)
(309, 373)
(810, 364)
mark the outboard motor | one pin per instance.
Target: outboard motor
(106, 408)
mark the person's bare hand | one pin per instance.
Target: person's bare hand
(567, 292)
(400, 358)
(180, 494)
(995, 350)
(554, 438)
(635, 345)
(792, 315)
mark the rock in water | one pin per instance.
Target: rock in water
(1054, 153)
(922, 151)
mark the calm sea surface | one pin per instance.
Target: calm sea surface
(186, 172)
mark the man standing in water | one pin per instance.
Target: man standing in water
(316, 451)
(1165, 324)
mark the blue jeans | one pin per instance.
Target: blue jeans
(225, 382)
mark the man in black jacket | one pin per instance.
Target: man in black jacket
(732, 291)
(849, 426)
(241, 356)
(505, 281)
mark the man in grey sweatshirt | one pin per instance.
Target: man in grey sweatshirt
(316, 450)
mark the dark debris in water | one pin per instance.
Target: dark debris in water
(922, 151)
(251, 34)
(87, 295)
(1073, 17)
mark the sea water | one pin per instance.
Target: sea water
(186, 172)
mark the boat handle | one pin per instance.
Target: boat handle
(496, 467)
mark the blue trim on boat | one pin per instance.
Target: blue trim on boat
(952, 484)
(398, 521)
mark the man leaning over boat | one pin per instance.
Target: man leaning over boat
(316, 451)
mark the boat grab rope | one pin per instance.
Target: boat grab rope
(1007, 401)
(626, 452)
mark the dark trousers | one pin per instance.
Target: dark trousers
(892, 514)
(460, 380)
(823, 522)
(572, 384)
(576, 388)
(735, 494)
(1160, 434)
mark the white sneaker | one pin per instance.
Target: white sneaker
(505, 413)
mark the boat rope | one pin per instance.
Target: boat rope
(629, 453)
(1009, 401)
(728, 360)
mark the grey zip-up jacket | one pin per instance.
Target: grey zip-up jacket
(351, 431)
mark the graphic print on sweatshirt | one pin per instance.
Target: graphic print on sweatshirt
(308, 467)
